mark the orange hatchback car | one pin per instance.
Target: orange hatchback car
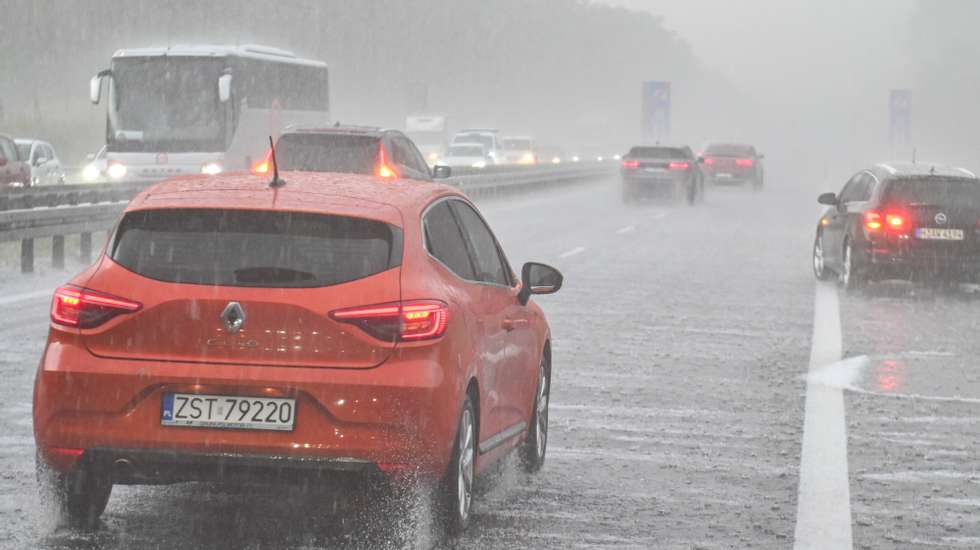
(331, 327)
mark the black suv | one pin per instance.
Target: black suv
(352, 149)
(905, 221)
(659, 170)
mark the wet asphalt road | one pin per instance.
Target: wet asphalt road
(681, 339)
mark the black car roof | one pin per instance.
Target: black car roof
(899, 170)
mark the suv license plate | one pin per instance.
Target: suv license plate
(227, 411)
(935, 233)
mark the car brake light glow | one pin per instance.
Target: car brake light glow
(403, 321)
(709, 161)
(78, 307)
(744, 162)
(678, 166)
(895, 221)
(384, 170)
(872, 220)
(631, 164)
(263, 166)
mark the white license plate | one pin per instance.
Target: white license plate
(228, 411)
(938, 234)
(723, 175)
(655, 170)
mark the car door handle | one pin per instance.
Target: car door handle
(510, 324)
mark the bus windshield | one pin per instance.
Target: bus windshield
(166, 104)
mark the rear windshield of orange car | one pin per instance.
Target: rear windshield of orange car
(933, 191)
(658, 153)
(342, 153)
(254, 248)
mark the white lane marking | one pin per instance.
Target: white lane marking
(625, 230)
(823, 515)
(658, 216)
(25, 296)
(572, 252)
(918, 396)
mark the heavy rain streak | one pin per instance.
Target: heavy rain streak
(513, 274)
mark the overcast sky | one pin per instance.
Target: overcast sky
(817, 70)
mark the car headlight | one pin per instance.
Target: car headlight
(116, 170)
(480, 164)
(433, 156)
(212, 168)
(90, 172)
(556, 160)
(527, 158)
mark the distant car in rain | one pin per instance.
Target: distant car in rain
(467, 155)
(670, 172)
(519, 150)
(733, 163)
(488, 137)
(45, 166)
(14, 170)
(95, 167)
(382, 152)
(336, 329)
(901, 221)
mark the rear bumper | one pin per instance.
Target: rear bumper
(886, 261)
(400, 416)
(143, 466)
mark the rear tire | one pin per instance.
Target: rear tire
(820, 270)
(536, 445)
(456, 493)
(79, 497)
(851, 276)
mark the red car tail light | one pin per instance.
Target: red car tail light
(78, 307)
(678, 166)
(384, 170)
(745, 163)
(403, 321)
(631, 164)
(709, 161)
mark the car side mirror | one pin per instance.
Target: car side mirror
(700, 160)
(224, 88)
(40, 161)
(829, 199)
(761, 156)
(441, 172)
(95, 89)
(538, 279)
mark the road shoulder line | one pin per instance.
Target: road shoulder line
(823, 517)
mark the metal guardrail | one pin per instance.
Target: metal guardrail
(59, 210)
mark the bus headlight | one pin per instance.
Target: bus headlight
(480, 164)
(116, 170)
(212, 168)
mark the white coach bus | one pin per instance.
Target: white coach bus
(203, 109)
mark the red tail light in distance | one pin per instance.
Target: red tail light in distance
(745, 163)
(679, 165)
(631, 164)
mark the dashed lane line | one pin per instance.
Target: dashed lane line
(625, 230)
(572, 252)
(823, 516)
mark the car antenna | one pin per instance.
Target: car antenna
(276, 180)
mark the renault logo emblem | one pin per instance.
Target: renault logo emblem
(233, 317)
(941, 218)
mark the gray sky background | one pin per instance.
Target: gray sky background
(817, 70)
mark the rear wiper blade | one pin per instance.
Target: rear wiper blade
(271, 274)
